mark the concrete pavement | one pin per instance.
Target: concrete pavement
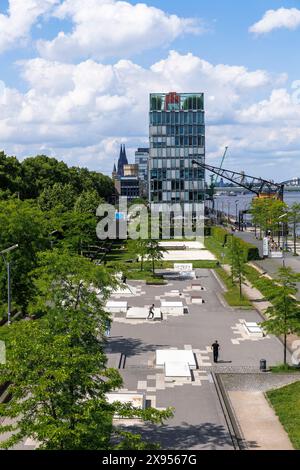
(198, 422)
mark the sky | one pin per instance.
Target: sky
(75, 78)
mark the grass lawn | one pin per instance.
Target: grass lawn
(286, 403)
(222, 253)
(127, 262)
(232, 296)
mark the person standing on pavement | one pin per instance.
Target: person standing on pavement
(215, 347)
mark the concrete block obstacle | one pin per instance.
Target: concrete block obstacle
(196, 297)
(177, 364)
(136, 399)
(171, 308)
(142, 313)
(185, 356)
(197, 285)
(253, 330)
(113, 306)
(178, 370)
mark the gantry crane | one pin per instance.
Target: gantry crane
(259, 186)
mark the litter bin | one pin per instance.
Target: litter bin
(263, 365)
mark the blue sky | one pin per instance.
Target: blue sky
(75, 85)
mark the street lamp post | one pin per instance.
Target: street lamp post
(7, 262)
(236, 212)
(282, 224)
(228, 211)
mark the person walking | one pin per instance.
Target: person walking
(215, 347)
(151, 312)
(107, 328)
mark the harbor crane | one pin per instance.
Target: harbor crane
(259, 186)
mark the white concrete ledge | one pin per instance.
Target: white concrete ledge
(169, 308)
(116, 307)
(142, 313)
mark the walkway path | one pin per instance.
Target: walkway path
(198, 421)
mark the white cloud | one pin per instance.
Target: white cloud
(275, 19)
(82, 112)
(106, 28)
(15, 26)
(281, 106)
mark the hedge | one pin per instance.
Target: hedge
(250, 251)
(221, 236)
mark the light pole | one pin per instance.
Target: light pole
(7, 262)
(236, 212)
(228, 211)
(282, 224)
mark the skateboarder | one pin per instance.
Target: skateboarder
(151, 312)
(215, 347)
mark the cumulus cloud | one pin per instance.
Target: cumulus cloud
(109, 28)
(288, 18)
(15, 26)
(81, 112)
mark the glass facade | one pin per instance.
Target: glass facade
(177, 136)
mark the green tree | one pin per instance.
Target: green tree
(59, 195)
(10, 175)
(57, 366)
(41, 172)
(22, 223)
(283, 317)
(266, 212)
(155, 252)
(64, 279)
(238, 263)
(138, 248)
(88, 201)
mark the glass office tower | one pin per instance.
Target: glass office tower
(177, 136)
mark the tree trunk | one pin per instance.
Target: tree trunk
(153, 266)
(240, 281)
(284, 356)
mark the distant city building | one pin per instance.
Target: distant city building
(142, 160)
(177, 136)
(126, 177)
(131, 170)
(122, 161)
(129, 187)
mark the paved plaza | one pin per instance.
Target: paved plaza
(198, 421)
